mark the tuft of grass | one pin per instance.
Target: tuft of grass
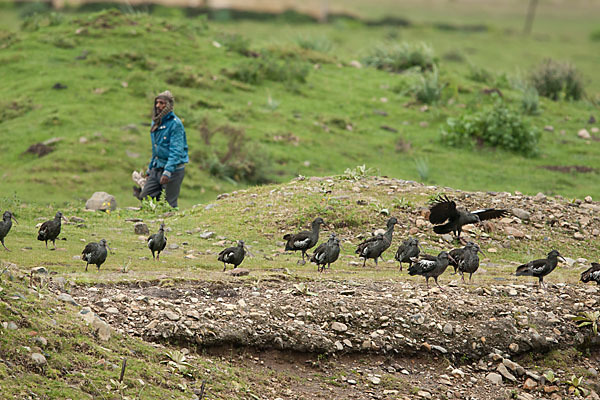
(428, 89)
(530, 101)
(319, 43)
(401, 57)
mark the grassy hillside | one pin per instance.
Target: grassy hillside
(292, 110)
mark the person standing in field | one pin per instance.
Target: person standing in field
(169, 152)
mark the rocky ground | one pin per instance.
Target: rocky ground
(463, 342)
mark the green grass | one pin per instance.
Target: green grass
(97, 106)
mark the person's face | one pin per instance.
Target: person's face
(160, 105)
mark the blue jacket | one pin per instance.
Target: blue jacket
(169, 145)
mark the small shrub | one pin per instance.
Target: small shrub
(497, 126)
(269, 68)
(478, 74)
(320, 44)
(422, 167)
(428, 89)
(228, 154)
(595, 36)
(235, 42)
(401, 57)
(530, 101)
(37, 21)
(29, 9)
(454, 55)
(557, 80)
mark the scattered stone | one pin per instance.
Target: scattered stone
(101, 201)
(206, 235)
(39, 359)
(584, 134)
(112, 310)
(11, 326)
(141, 228)
(578, 236)
(355, 64)
(173, 246)
(339, 327)
(424, 394)
(588, 199)
(40, 341)
(539, 197)
(505, 373)
(521, 214)
(549, 128)
(67, 298)
(529, 384)
(494, 378)
(102, 329)
(448, 329)
(375, 380)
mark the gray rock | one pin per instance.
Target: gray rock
(439, 348)
(102, 329)
(339, 327)
(513, 366)
(539, 197)
(494, 378)
(38, 359)
(112, 310)
(40, 341)
(448, 330)
(418, 318)
(505, 373)
(39, 270)
(67, 298)
(173, 246)
(206, 235)
(172, 316)
(141, 228)
(521, 214)
(101, 201)
(11, 326)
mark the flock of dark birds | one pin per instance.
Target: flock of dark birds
(444, 215)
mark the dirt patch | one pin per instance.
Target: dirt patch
(567, 169)
(39, 149)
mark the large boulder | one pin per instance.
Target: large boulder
(101, 201)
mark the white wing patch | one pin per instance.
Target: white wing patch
(595, 275)
(301, 243)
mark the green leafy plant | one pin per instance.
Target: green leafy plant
(575, 385)
(154, 206)
(177, 361)
(301, 289)
(588, 318)
(479, 74)
(401, 57)
(234, 42)
(550, 377)
(558, 80)
(269, 68)
(498, 126)
(359, 172)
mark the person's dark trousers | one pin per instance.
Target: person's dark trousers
(153, 188)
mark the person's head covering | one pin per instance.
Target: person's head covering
(158, 116)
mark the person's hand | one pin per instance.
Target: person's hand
(164, 180)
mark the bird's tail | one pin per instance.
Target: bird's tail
(586, 276)
(523, 270)
(414, 269)
(441, 229)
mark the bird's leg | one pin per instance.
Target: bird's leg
(224, 267)
(376, 265)
(462, 275)
(86, 265)
(427, 281)
(54, 244)
(436, 282)
(400, 266)
(46, 244)
(98, 266)
(158, 257)
(470, 277)
(364, 261)
(5, 246)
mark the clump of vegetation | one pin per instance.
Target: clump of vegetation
(228, 154)
(595, 36)
(558, 80)
(428, 89)
(422, 167)
(588, 318)
(269, 68)
(320, 43)
(235, 42)
(359, 172)
(530, 101)
(401, 57)
(498, 126)
(36, 21)
(481, 75)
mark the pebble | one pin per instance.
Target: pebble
(67, 298)
(141, 228)
(584, 134)
(206, 235)
(339, 327)
(423, 394)
(448, 329)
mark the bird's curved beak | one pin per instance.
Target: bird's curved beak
(248, 251)
(65, 218)
(14, 219)
(481, 251)
(451, 258)
(561, 258)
